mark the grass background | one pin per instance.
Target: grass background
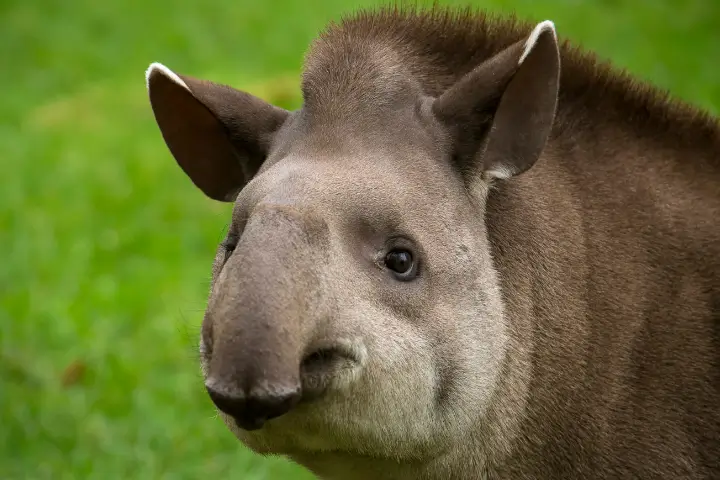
(106, 246)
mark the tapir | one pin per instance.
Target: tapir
(473, 252)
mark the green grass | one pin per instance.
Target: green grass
(106, 246)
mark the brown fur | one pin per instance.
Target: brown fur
(444, 44)
(566, 319)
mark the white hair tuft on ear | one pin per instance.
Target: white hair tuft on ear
(161, 69)
(541, 27)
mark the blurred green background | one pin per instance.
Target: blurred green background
(106, 246)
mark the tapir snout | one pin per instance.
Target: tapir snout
(265, 352)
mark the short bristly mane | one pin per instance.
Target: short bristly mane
(357, 60)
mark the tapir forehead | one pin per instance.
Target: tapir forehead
(379, 187)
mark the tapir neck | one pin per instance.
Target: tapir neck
(611, 278)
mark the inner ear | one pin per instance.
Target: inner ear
(500, 115)
(218, 135)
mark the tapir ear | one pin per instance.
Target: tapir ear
(501, 113)
(218, 135)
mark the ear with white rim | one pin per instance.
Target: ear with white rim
(500, 115)
(156, 68)
(218, 135)
(546, 26)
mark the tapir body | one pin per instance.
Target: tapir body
(472, 253)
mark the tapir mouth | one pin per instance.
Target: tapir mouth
(320, 370)
(328, 366)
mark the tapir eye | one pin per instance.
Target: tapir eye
(230, 243)
(401, 263)
(228, 246)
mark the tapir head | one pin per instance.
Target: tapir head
(354, 304)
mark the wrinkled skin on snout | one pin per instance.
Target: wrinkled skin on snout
(354, 310)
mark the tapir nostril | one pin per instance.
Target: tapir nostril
(251, 410)
(226, 401)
